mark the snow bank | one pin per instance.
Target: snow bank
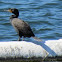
(12, 49)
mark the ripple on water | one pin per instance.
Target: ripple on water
(44, 17)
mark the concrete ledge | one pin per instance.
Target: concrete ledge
(35, 49)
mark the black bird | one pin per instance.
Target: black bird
(21, 27)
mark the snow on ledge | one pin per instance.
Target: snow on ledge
(12, 49)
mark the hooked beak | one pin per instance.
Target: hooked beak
(8, 10)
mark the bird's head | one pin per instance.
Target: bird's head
(14, 11)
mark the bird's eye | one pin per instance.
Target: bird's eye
(12, 10)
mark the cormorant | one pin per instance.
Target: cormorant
(21, 27)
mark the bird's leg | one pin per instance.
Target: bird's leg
(22, 38)
(19, 39)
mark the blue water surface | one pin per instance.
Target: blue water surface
(44, 17)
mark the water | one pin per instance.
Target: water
(44, 17)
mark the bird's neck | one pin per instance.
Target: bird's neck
(13, 16)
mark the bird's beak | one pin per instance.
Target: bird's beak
(9, 10)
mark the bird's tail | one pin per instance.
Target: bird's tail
(37, 39)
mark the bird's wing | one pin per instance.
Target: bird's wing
(22, 26)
